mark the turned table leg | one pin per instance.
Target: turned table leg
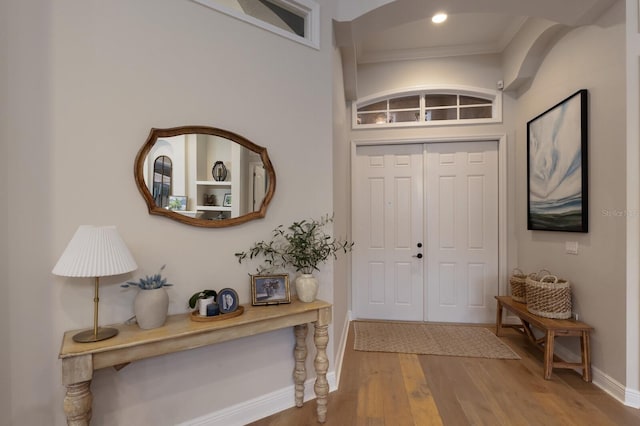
(300, 354)
(321, 364)
(77, 404)
(77, 373)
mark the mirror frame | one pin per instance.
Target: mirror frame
(213, 131)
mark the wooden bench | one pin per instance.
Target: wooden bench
(552, 328)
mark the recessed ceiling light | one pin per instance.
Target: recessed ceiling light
(439, 18)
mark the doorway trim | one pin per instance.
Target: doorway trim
(503, 241)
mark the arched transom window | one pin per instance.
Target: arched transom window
(428, 107)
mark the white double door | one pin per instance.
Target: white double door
(425, 223)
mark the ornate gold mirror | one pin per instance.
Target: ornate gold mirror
(204, 176)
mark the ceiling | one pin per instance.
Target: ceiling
(383, 30)
(461, 34)
(396, 30)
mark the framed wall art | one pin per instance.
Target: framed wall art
(557, 186)
(270, 289)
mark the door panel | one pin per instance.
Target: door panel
(462, 224)
(456, 197)
(387, 225)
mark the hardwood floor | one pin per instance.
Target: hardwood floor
(387, 389)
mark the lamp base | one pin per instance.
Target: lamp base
(88, 336)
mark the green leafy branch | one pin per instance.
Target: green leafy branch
(303, 245)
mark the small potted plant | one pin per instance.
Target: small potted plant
(151, 304)
(303, 246)
(202, 299)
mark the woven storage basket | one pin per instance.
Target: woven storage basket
(519, 283)
(518, 290)
(549, 297)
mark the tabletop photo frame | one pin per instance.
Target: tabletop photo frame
(270, 289)
(228, 300)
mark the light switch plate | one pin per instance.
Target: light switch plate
(571, 247)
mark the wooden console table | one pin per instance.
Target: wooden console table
(552, 328)
(180, 333)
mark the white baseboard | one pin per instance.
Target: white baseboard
(342, 348)
(632, 398)
(266, 405)
(258, 408)
(605, 382)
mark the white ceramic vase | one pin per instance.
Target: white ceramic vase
(306, 287)
(151, 307)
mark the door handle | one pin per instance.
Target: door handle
(419, 255)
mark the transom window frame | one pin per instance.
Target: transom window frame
(493, 96)
(307, 9)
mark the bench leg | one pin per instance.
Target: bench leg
(526, 329)
(548, 354)
(586, 356)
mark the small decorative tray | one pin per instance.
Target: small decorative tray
(195, 316)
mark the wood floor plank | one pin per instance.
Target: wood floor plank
(617, 413)
(514, 401)
(423, 408)
(384, 389)
(444, 381)
(397, 405)
(370, 407)
(480, 373)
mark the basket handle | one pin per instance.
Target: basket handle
(543, 273)
(518, 271)
(546, 278)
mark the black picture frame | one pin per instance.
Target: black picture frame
(270, 289)
(227, 300)
(557, 167)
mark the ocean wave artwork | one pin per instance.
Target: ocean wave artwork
(556, 178)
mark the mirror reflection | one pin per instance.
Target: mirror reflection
(161, 180)
(204, 176)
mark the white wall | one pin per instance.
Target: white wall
(88, 81)
(5, 384)
(31, 345)
(633, 203)
(590, 58)
(341, 198)
(479, 70)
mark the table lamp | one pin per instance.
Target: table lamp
(95, 251)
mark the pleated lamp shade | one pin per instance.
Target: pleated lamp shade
(95, 251)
